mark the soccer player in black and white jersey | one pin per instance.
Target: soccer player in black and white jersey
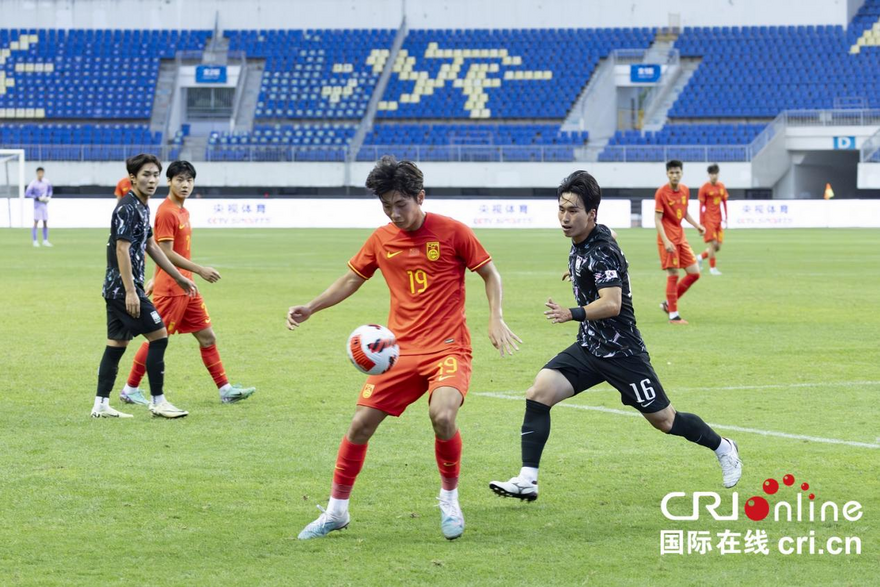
(129, 311)
(609, 347)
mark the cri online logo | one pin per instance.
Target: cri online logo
(757, 508)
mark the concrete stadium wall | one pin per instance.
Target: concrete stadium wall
(437, 175)
(300, 14)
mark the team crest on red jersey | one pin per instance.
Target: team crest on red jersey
(433, 251)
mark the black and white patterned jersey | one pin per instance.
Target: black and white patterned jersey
(130, 222)
(597, 263)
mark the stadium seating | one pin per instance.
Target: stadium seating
(498, 74)
(90, 74)
(472, 142)
(75, 142)
(473, 95)
(687, 142)
(313, 74)
(302, 142)
(760, 71)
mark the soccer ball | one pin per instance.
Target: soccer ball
(373, 349)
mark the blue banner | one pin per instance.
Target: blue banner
(210, 74)
(844, 143)
(644, 73)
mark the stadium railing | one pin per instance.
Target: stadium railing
(870, 151)
(96, 152)
(838, 117)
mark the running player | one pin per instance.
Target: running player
(670, 207)
(422, 258)
(712, 195)
(182, 313)
(129, 310)
(609, 347)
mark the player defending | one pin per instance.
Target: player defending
(712, 195)
(422, 258)
(671, 206)
(181, 312)
(129, 311)
(40, 190)
(609, 347)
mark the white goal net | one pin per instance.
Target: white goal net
(12, 186)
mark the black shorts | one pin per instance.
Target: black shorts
(123, 326)
(633, 376)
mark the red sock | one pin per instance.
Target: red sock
(139, 367)
(704, 254)
(448, 453)
(349, 461)
(672, 293)
(712, 262)
(687, 282)
(211, 359)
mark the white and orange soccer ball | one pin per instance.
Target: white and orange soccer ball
(373, 349)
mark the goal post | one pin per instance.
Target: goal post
(12, 185)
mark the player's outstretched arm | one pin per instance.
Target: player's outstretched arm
(501, 337)
(339, 290)
(155, 253)
(607, 306)
(209, 274)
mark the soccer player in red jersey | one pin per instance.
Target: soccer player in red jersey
(122, 188)
(712, 196)
(670, 208)
(181, 313)
(423, 258)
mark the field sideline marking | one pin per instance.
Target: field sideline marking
(747, 387)
(635, 414)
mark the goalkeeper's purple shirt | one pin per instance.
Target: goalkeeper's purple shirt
(38, 189)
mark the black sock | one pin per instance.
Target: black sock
(692, 427)
(535, 432)
(108, 369)
(156, 365)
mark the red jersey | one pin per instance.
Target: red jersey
(674, 206)
(123, 187)
(172, 224)
(424, 270)
(711, 197)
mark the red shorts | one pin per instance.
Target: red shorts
(412, 376)
(682, 257)
(182, 314)
(714, 232)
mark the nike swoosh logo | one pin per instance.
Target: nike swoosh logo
(182, 226)
(390, 254)
(647, 404)
(444, 377)
(529, 432)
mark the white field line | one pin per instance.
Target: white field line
(749, 387)
(635, 414)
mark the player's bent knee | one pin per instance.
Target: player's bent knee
(206, 337)
(156, 334)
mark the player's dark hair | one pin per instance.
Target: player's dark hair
(40, 169)
(673, 163)
(180, 168)
(391, 175)
(585, 186)
(713, 168)
(134, 164)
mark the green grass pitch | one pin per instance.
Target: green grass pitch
(784, 342)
